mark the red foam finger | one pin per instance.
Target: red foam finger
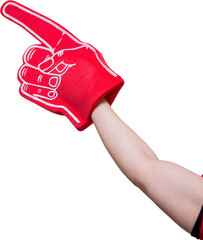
(62, 60)
(56, 65)
(35, 55)
(40, 92)
(44, 29)
(34, 76)
(57, 105)
(63, 74)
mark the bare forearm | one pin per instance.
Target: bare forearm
(126, 148)
(169, 185)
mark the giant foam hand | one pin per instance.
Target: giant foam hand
(62, 74)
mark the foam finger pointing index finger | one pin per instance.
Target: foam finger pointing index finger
(44, 29)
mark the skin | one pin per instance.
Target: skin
(171, 187)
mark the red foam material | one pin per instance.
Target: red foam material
(61, 74)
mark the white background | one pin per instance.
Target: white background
(58, 183)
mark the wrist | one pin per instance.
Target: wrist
(102, 106)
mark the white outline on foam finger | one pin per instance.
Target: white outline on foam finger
(32, 54)
(48, 104)
(57, 27)
(38, 16)
(30, 50)
(21, 71)
(57, 82)
(24, 87)
(51, 50)
(48, 94)
(39, 79)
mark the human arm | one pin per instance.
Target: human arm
(176, 190)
